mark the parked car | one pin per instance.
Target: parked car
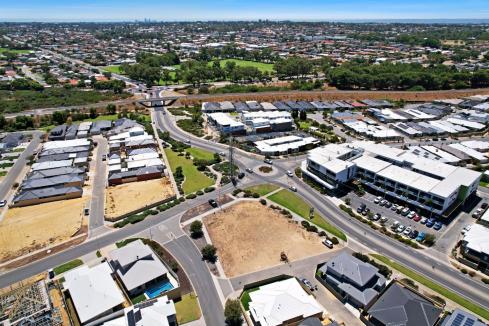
(361, 208)
(405, 211)
(407, 232)
(366, 211)
(484, 205)
(383, 220)
(293, 188)
(477, 213)
(290, 174)
(423, 220)
(307, 283)
(3, 203)
(249, 170)
(414, 234)
(268, 161)
(51, 274)
(395, 225)
(383, 202)
(377, 199)
(388, 204)
(394, 208)
(328, 244)
(104, 157)
(376, 217)
(400, 228)
(411, 214)
(437, 225)
(421, 236)
(465, 229)
(417, 218)
(430, 222)
(213, 203)
(399, 209)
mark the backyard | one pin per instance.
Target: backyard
(250, 237)
(297, 205)
(194, 179)
(187, 309)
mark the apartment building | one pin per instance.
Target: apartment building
(430, 185)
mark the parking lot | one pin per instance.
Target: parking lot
(392, 216)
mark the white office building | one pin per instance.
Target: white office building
(428, 184)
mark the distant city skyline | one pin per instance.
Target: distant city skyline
(190, 10)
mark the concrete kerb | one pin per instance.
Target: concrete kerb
(162, 151)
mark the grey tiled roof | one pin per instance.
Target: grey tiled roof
(51, 181)
(402, 307)
(353, 269)
(45, 193)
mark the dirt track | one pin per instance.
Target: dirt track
(334, 95)
(250, 237)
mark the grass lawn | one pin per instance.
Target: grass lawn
(194, 179)
(187, 309)
(113, 69)
(245, 298)
(297, 205)
(434, 286)
(263, 189)
(200, 154)
(138, 299)
(67, 266)
(244, 63)
(14, 51)
(484, 184)
(304, 125)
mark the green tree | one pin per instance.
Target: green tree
(209, 253)
(232, 313)
(196, 229)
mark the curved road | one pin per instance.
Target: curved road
(417, 260)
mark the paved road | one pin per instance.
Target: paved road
(19, 165)
(98, 185)
(442, 272)
(101, 241)
(189, 257)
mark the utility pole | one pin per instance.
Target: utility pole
(231, 160)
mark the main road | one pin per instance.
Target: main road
(435, 269)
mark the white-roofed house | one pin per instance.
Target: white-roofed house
(93, 291)
(282, 303)
(156, 312)
(475, 244)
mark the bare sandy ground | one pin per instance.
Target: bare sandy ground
(26, 229)
(250, 237)
(125, 198)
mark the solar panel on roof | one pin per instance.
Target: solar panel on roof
(469, 322)
(458, 320)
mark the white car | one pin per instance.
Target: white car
(290, 174)
(377, 200)
(3, 203)
(400, 228)
(407, 231)
(294, 189)
(465, 229)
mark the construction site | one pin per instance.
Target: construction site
(29, 303)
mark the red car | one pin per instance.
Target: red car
(416, 218)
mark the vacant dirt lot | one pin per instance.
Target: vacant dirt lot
(26, 229)
(250, 237)
(125, 198)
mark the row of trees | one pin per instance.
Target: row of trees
(388, 76)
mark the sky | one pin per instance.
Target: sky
(188, 10)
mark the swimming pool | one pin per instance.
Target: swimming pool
(156, 289)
